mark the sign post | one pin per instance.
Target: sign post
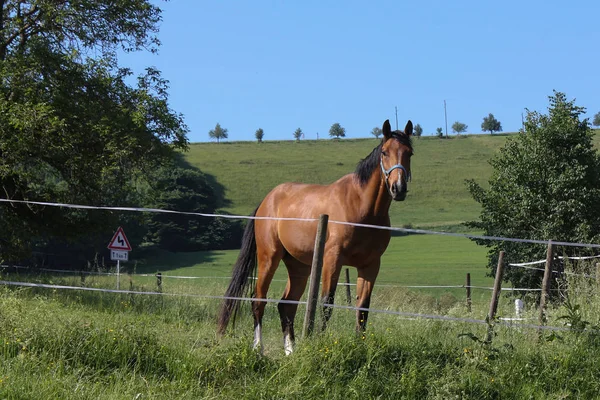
(119, 250)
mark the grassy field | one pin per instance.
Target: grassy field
(247, 171)
(88, 345)
(82, 345)
(438, 195)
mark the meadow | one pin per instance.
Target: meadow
(75, 344)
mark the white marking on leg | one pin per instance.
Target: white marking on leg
(288, 344)
(257, 345)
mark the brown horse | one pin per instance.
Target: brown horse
(361, 197)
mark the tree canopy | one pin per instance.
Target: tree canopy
(376, 132)
(418, 130)
(218, 133)
(259, 135)
(72, 129)
(298, 134)
(459, 127)
(337, 131)
(491, 124)
(544, 186)
(596, 121)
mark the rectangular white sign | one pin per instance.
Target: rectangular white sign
(119, 255)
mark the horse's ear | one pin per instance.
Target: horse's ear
(387, 129)
(408, 129)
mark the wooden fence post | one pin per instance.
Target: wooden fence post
(159, 282)
(495, 296)
(348, 294)
(468, 286)
(315, 276)
(546, 283)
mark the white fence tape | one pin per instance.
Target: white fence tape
(389, 312)
(421, 231)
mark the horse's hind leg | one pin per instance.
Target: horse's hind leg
(298, 274)
(268, 261)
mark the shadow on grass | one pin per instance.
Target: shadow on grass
(154, 260)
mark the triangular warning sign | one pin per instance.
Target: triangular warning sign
(119, 241)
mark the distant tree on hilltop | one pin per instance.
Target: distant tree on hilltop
(596, 121)
(218, 133)
(459, 127)
(337, 131)
(259, 134)
(298, 134)
(491, 124)
(376, 132)
(418, 130)
(439, 132)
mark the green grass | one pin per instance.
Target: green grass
(79, 345)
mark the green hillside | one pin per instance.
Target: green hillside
(437, 195)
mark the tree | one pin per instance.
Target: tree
(337, 131)
(490, 123)
(72, 129)
(439, 132)
(418, 130)
(298, 134)
(218, 133)
(259, 134)
(376, 132)
(544, 186)
(189, 190)
(459, 127)
(596, 121)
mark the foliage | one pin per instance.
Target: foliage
(376, 132)
(259, 134)
(188, 190)
(596, 121)
(439, 132)
(72, 129)
(218, 133)
(337, 131)
(491, 124)
(298, 134)
(544, 186)
(418, 131)
(459, 127)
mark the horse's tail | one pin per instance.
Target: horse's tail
(244, 268)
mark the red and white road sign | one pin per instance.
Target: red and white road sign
(119, 241)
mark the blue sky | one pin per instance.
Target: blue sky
(280, 65)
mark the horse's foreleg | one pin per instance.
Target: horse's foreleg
(298, 274)
(331, 275)
(364, 285)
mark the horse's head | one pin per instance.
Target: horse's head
(396, 150)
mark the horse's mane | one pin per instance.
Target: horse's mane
(366, 166)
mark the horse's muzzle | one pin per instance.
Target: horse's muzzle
(399, 191)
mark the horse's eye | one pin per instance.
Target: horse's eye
(384, 153)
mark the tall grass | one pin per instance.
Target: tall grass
(79, 345)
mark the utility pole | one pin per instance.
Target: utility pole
(446, 118)
(522, 123)
(396, 118)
